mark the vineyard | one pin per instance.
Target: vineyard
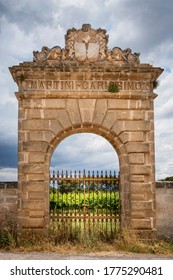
(96, 201)
(84, 205)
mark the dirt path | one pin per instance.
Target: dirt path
(88, 256)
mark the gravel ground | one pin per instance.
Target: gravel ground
(89, 256)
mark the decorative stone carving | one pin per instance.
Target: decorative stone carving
(117, 54)
(48, 54)
(86, 45)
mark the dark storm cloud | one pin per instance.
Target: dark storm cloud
(8, 135)
(8, 154)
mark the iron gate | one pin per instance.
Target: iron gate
(84, 203)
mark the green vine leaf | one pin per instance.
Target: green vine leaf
(113, 87)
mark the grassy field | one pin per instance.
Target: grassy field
(91, 241)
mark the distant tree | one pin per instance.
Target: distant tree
(169, 178)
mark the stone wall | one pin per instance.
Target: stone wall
(8, 196)
(164, 209)
(8, 203)
(164, 205)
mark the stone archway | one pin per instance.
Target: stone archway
(86, 88)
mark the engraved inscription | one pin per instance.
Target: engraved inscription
(87, 85)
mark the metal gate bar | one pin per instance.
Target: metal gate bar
(81, 202)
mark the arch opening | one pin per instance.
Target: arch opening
(85, 150)
(84, 188)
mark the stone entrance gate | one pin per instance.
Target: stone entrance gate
(86, 87)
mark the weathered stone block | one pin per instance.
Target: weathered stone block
(142, 223)
(36, 136)
(34, 186)
(11, 200)
(21, 114)
(139, 104)
(87, 107)
(36, 222)
(100, 111)
(72, 108)
(37, 103)
(137, 147)
(138, 196)
(49, 114)
(36, 157)
(33, 205)
(36, 195)
(118, 104)
(26, 103)
(136, 158)
(109, 119)
(22, 157)
(140, 170)
(145, 205)
(35, 125)
(33, 114)
(140, 187)
(130, 115)
(22, 136)
(139, 214)
(1, 200)
(33, 168)
(9, 192)
(125, 136)
(63, 118)
(136, 125)
(137, 136)
(117, 127)
(48, 136)
(54, 103)
(36, 214)
(36, 177)
(31, 223)
(55, 127)
(136, 178)
(29, 146)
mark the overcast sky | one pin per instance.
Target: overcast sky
(144, 26)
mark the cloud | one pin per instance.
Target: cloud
(8, 174)
(144, 26)
(26, 14)
(94, 152)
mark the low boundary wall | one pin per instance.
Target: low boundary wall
(164, 205)
(164, 209)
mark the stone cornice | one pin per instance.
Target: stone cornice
(26, 70)
(85, 95)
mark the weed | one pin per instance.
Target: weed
(8, 232)
(155, 84)
(63, 238)
(128, 241)
(113, 87)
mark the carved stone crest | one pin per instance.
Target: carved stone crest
(85, 51)
(86, 45)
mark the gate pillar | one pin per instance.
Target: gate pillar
(86, 87)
